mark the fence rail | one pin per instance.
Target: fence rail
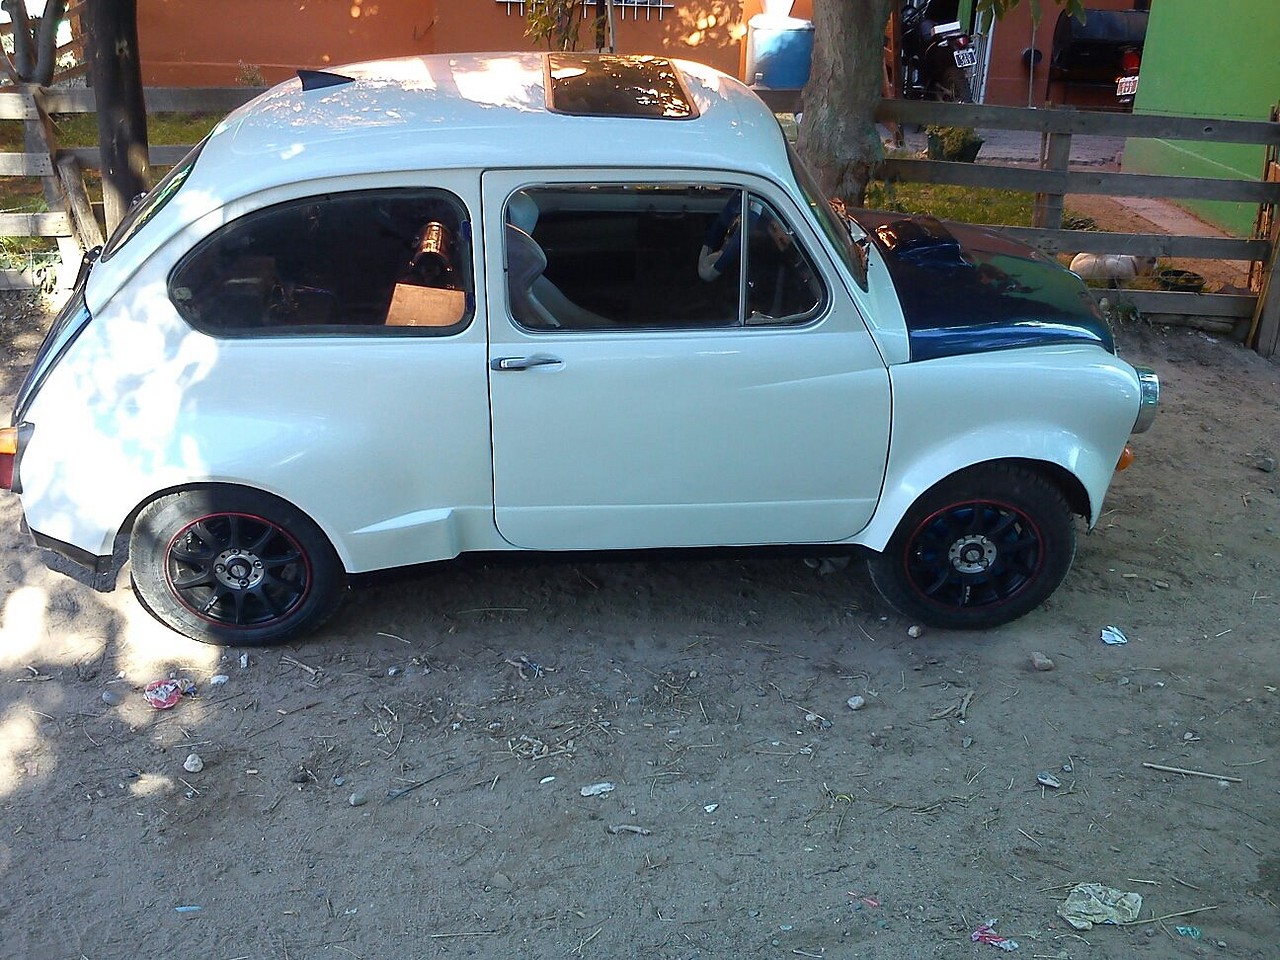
(1255, 318)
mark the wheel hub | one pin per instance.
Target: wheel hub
(972, 554)
(238, 569)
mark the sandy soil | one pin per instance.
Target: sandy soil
(409, 783)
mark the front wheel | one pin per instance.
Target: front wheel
(233, 566)
(978, 550)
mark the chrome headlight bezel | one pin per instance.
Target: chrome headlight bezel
(1149, 398)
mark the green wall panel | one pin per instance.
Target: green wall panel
(1219, 59)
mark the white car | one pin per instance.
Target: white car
(553, 302)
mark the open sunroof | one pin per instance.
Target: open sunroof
(606, 85)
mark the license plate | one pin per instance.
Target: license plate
(1127, 86)
(968, 57)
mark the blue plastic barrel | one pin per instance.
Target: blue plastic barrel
(779, 51)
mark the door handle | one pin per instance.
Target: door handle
(522, 363)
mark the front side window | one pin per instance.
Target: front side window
(654, 256)
(364, 262)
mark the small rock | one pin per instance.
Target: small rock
(914, 630)
(339, 781)
(1047, 779)
(219, 680)
(1161, 584)
(967, 742)
(856, 702)
(358, 799)
(500, 881)
(1042, 662)
(111, 698)
(300, 776)
(1265, 464)
(597, 789)
(193, 763)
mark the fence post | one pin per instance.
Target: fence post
(1055, 154)
(1265, 329)
(38, 137)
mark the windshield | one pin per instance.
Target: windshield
(152, 202)
(846, 235)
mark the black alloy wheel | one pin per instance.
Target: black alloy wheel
(978, 550)
(236, 566)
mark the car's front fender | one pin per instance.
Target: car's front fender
(1070, 407)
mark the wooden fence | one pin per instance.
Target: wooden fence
(1254, 318)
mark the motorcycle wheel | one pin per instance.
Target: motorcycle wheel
(952, 87)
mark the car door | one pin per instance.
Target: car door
(664, 408)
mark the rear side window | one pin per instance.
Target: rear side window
(364, 262)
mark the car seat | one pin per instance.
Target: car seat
(536, 301)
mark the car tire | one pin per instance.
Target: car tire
(234, 566)
(978, 550)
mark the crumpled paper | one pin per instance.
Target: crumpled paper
(1090, 903)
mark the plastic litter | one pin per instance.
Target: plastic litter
(192, 908)
(1047, 779)
(987, 934)
(1192, 932)
(1092, 903)
(1113, 636)
(597, 789)
(218, 680)
(163, 694)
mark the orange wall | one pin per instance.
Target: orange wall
(1008, 82)
(187, 43)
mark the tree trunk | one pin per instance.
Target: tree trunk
(47, 42)
(838, 135)
(23, 55)
(122, 115)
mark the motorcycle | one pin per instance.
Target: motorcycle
(1127, 81)
(937, 57)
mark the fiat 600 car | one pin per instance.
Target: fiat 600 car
(417, 308)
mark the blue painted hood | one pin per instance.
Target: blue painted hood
(969, 290)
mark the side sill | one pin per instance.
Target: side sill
(78, 564)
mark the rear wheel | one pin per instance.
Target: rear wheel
(952, 86)
(978, 550)
(233, 566)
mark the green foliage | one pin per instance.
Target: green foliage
(953, 143)
(250, 75)
(556, 23)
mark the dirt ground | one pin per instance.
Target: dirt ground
(410, 782)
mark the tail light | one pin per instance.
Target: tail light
(962, 40)
(1130, 60)
(8, 456)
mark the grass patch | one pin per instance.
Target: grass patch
(26, 194)
(1009, 208)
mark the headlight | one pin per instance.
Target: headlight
(1149, 384)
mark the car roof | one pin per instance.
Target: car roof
(477, 111)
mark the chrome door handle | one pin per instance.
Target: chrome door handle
(522, 363)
